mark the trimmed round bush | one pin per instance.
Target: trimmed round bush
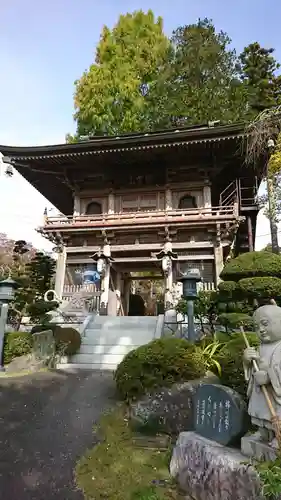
(235, 319)
(252, 264)
(68, 339)
(227, 286)
(231, 362)
(227, 290)
(16, 344)
(261, 288)
(160, 363)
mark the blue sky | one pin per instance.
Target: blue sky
(46, 45)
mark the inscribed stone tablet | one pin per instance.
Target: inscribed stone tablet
(220, 414)
(43, 344)
(169, 410)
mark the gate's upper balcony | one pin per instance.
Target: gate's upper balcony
(143, 218)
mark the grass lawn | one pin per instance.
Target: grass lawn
(116, 469)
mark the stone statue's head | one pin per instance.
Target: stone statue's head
(267, 321)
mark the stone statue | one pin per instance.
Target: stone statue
(267, 320)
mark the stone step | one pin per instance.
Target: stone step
(105, 337)
(106, 358)
(122, 321)
(100, 349)
(106, 340)
(86, 366)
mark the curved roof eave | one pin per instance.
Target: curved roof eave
(197, 134)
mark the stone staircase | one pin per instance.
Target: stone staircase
(107, 339)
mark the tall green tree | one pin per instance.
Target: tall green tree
(204, 82)
(140, 80)
(258, 69)
(110, 97)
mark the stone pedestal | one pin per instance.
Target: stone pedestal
(252, 447)
(206, 470)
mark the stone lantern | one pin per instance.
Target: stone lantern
(7, 294)
(189, 282)
(7, 290)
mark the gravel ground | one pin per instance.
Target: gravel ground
(46, 424)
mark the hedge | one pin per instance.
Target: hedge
(16, 344)
(261, 287)
(158, 364)
(235, 319)
(252, 264)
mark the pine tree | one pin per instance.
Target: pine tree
(258, 72)
(204, 83)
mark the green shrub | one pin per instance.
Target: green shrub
(223, 337)
(16, 344)
(158, 364)
(252, 264)
(39, 309)
(227, 290)
(231, 363)
(222, 307)
(227, 286)
(67, 338)
(261, 288)
(233, 320)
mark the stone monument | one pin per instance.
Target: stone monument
(203, 463)
(220, 414)
(205, 467)
(263, 444)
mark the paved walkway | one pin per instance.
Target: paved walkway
(46, 424)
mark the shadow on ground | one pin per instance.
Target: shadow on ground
(46, 424)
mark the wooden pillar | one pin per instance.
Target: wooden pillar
(118, 293)
(126, 294)
(111, 203)
(105, 282)
(250, 234)
(76, 205)
(168, 199)
(207, 199)
(168, 277)
(219, 264)
(60, 272)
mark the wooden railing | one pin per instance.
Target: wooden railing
(206, 286)
(71, 289)
(155, 216)
(89, 295)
